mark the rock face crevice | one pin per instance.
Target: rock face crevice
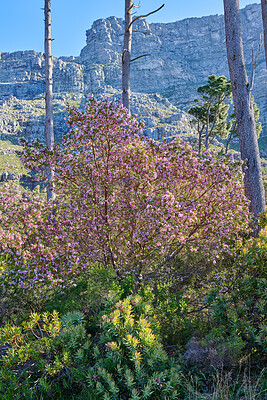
(182, 55)
(22, 75)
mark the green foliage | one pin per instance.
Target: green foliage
(239, 300)
(88, 294)
(171, 308)
(225, 348)
(48, 356)
(211, 111)
(130, 362)
(44, 356)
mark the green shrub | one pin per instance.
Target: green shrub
(88, 294)
(239, 300)
(49, 356)
(45, 356)
(130, 362)
(173, 311)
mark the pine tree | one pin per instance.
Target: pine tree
(211, 111)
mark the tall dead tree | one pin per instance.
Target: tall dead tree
(126, 54)
(243, 103)
(127, 48)
(49, 129)
(264, 20)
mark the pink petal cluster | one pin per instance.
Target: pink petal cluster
(122, 200)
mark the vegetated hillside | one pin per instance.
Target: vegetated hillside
(139, 280)
(181, 56)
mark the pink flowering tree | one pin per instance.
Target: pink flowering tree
(134, 204)
(29, 244)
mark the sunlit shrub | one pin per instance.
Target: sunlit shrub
(129, 203)
(49, 356)
(44, 356)
(130, 361)
(239, 299)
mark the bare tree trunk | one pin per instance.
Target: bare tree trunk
(127, 48)
(228, 141)
(207, 129)
(49, 131)
(264, 20)
(126, 54)
(246, 126)
(199, 138)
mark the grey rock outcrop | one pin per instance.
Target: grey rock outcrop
(22, 75)
(182, 55)
(24, 117)
(28, 181)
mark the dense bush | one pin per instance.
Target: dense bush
(130, 362)
(239, 301)
(130, 215)
(123, 201)
(29, 242)
(48, 355)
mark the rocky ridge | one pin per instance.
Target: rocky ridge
(164, 84)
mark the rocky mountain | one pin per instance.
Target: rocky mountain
(181, 56)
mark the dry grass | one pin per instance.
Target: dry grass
(229, 386)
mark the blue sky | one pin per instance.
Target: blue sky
(21, 21)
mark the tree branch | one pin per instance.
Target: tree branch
(253, 66)
(129, 9)
(143, 55)
(145, 15)
(122, 57)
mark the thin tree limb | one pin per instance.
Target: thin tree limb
(129, 9)
(253, 66)
(144, 16)
(143, 55)
(122, 57)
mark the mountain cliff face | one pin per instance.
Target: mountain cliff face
(181, 56)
